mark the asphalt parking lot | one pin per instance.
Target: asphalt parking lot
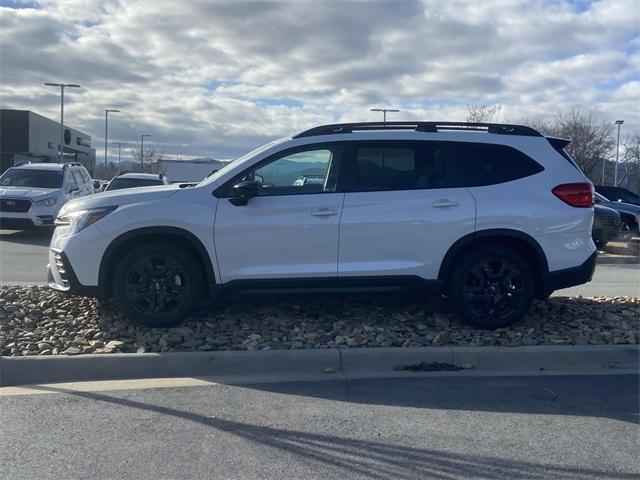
(579, 427)
(23, 260)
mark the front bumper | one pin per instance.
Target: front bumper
(74, 260)
(570, 277)
(16, 223)
(61, 277)
(27, 220)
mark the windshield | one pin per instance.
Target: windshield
(120, 183)
(23, 177)
(234, 163)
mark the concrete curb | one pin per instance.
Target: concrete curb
(618, 260)
(288, 364)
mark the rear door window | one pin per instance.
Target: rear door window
(379, 166)
(487, 164)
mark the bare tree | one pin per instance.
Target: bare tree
(483, 113)
(592, 142)
(151, 162)
(629, 176)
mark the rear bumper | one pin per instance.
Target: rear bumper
(570, 277)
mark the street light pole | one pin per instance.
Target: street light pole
(615, 172)
(384, 112)
(142, 150)
(106, 131)
(119, 150)
(62, 87)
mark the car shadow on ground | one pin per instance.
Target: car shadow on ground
(542, 395)
(40, 236)
(363, 457)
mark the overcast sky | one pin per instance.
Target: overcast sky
(219, 78)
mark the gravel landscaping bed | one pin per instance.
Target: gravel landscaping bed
(38, 321)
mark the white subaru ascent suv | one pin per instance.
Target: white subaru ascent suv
(492, 215)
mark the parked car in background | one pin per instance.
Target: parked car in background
(31, 194)
(493, 215)
(133, 180)
(629, 215)
(606, 225)
(99, 185)
(618, 194)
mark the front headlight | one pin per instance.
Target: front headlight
(47, 202)
(74, 222)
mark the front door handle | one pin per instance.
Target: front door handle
(324, 212)
(444, 202)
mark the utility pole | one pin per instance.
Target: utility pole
(142, 150)
(106, 132)
(615, 172)
(384, 112)
(62, 87)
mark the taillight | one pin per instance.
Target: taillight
(575, 194)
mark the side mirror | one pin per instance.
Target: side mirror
(74, 189)
(243, 191)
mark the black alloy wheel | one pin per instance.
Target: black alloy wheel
(157, 284)
(491, 288)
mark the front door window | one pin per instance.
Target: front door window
(296, 174)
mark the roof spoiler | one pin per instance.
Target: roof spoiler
(558, 143)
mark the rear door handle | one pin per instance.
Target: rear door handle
(324, 212)
(445, 202)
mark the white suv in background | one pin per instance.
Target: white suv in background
(31, 194)
(492, 215)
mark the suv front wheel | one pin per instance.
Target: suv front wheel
(157, 284)
(491, 287)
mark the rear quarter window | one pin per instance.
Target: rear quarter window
(486, 164)
(77, 176)
(85, 176)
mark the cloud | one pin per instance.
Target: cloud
(218, 78)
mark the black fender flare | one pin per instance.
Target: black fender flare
(107, 263)
(468, 239)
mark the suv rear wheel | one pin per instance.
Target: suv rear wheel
(491, 287)
(157, 284)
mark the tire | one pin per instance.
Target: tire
(157, 284)
(491, 287)
(628, 229)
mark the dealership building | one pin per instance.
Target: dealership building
(27, 136)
